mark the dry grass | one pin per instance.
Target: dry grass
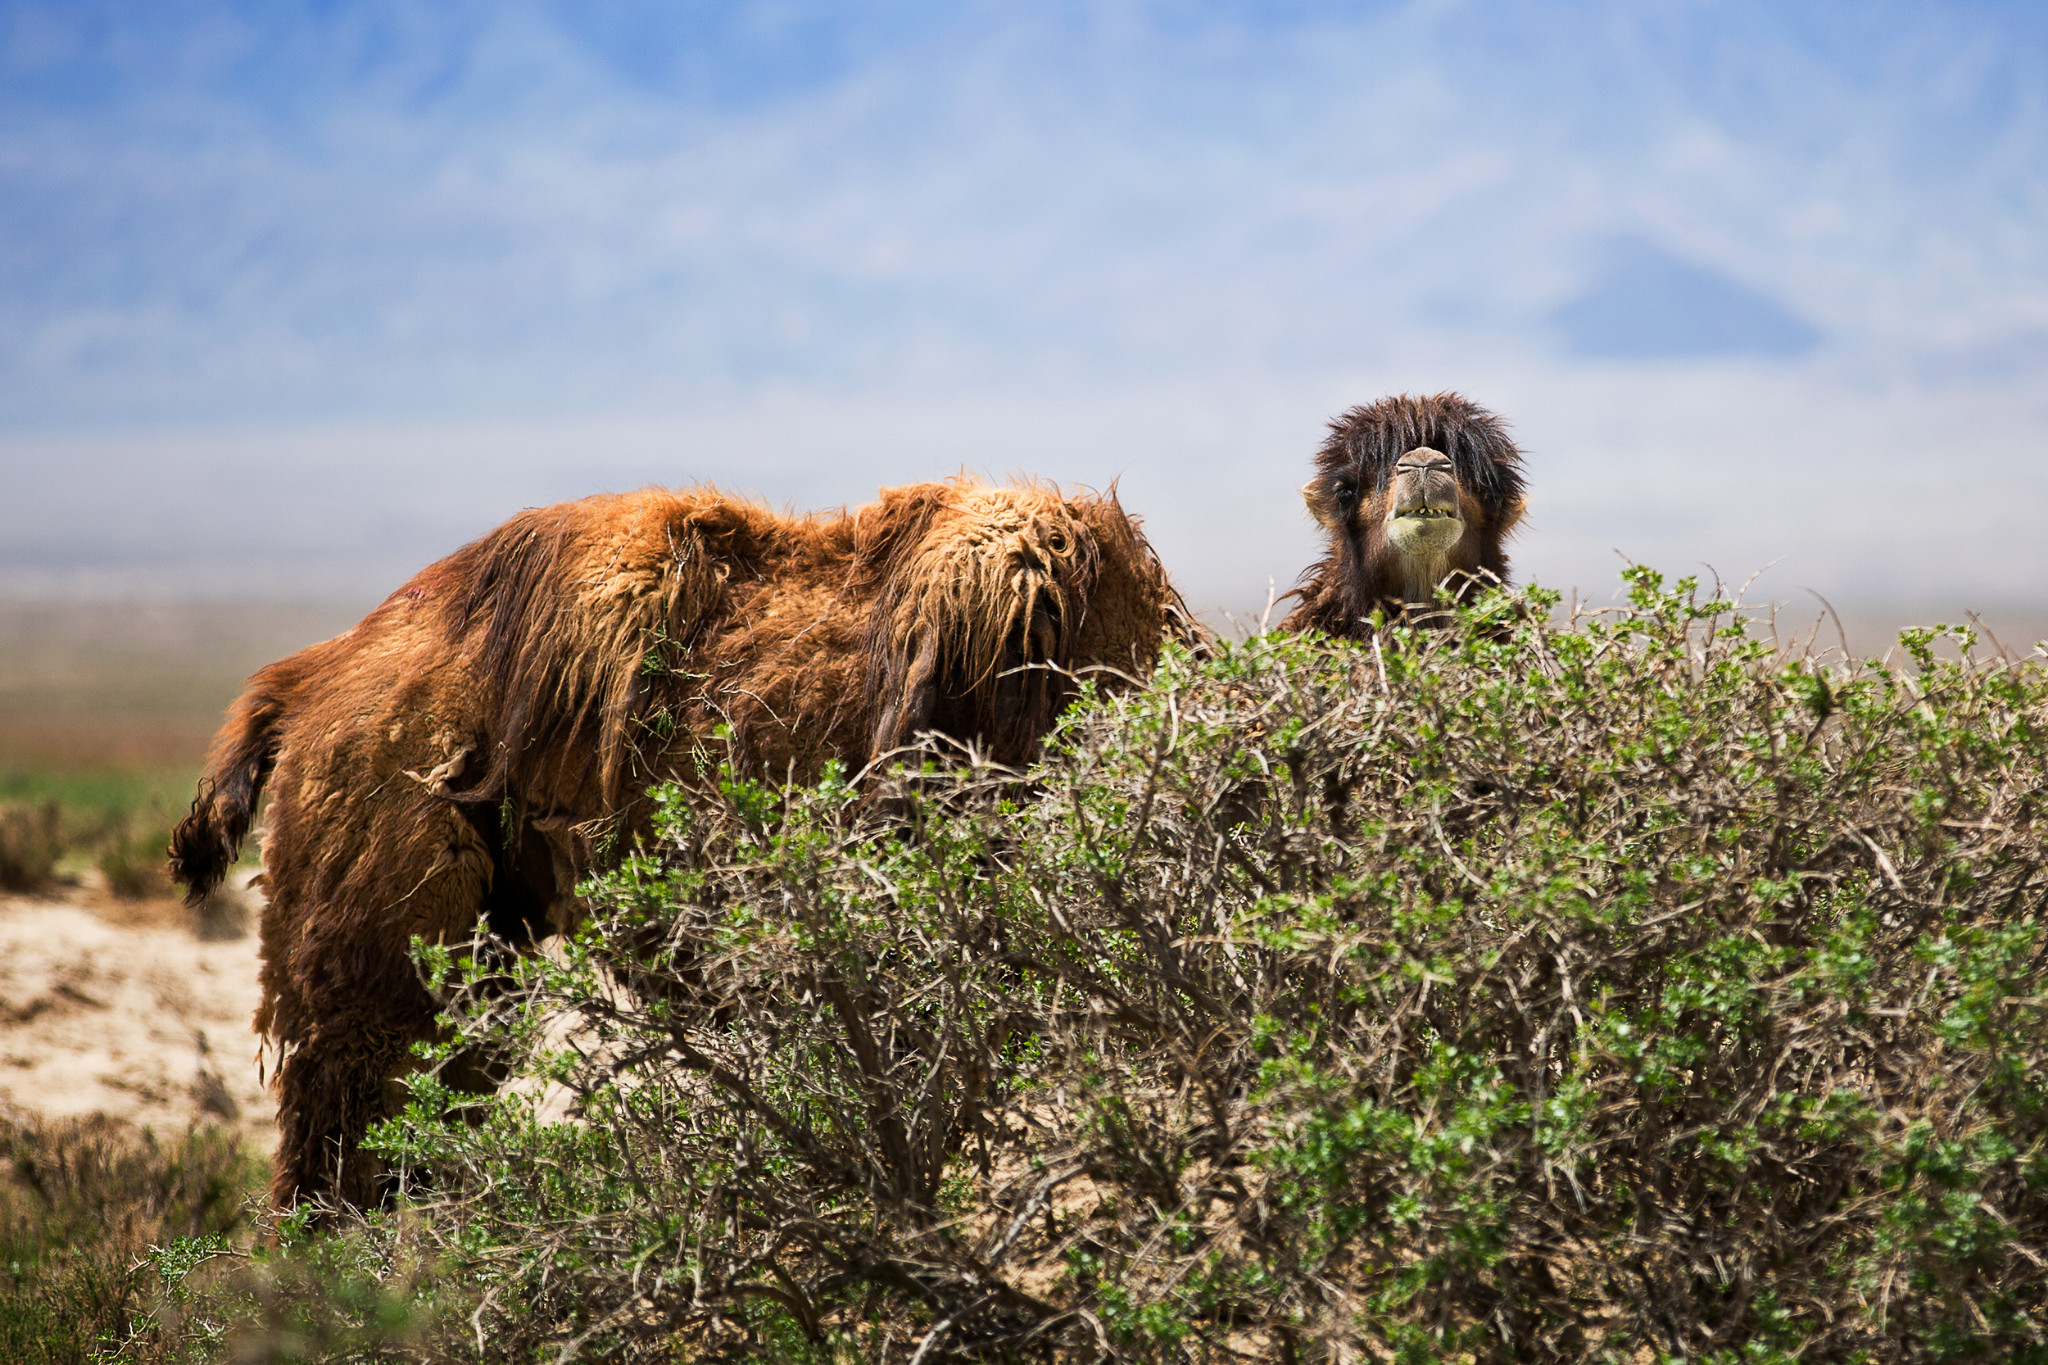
(82, 1205)
(31, 842)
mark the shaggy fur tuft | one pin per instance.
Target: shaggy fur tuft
(978, 608)
(465, 749)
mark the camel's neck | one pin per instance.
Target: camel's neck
(1415, 577)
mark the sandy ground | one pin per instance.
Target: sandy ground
(139, 1010)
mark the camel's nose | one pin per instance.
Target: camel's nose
(1424, 478)
(1424, 460)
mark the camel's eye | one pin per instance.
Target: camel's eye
(1347, 495)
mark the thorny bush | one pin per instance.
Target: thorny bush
(1612, 987)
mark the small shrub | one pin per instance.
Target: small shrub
(135, 865)
(1607, 990)
(31, 842)
(83, 1203)
(119, 1246)
(359, 1296)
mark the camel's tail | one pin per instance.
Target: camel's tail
(207, 841)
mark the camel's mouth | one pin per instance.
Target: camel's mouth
(1425, 528)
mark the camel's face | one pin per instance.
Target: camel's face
(1416, 526)
(1423, 519)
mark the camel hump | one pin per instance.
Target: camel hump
(981, 594)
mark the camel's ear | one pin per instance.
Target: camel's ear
(1511, 514)
(1322, 503)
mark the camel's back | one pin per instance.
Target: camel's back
(582, 649)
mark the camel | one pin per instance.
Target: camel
(488, 735)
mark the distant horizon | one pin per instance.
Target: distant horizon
(288, 622)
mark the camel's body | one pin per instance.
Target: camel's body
(464, 750)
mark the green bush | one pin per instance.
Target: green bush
(1612, 989)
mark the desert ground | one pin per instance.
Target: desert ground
(136, 1009)
(131, 1006)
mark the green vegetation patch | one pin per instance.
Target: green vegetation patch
(1612, 989)
(95, 795)
(54, 822)
(90, 1211)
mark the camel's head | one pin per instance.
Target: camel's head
(1413, 493)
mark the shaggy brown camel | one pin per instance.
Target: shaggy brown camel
(1414, 494)
(465, 750)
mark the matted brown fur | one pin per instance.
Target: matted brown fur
(458, 752)
(1377, 459)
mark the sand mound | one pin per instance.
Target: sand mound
(125, 1009)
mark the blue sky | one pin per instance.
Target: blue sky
(296, 297)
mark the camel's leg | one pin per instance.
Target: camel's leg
(331, 1088)
(357, 1007)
